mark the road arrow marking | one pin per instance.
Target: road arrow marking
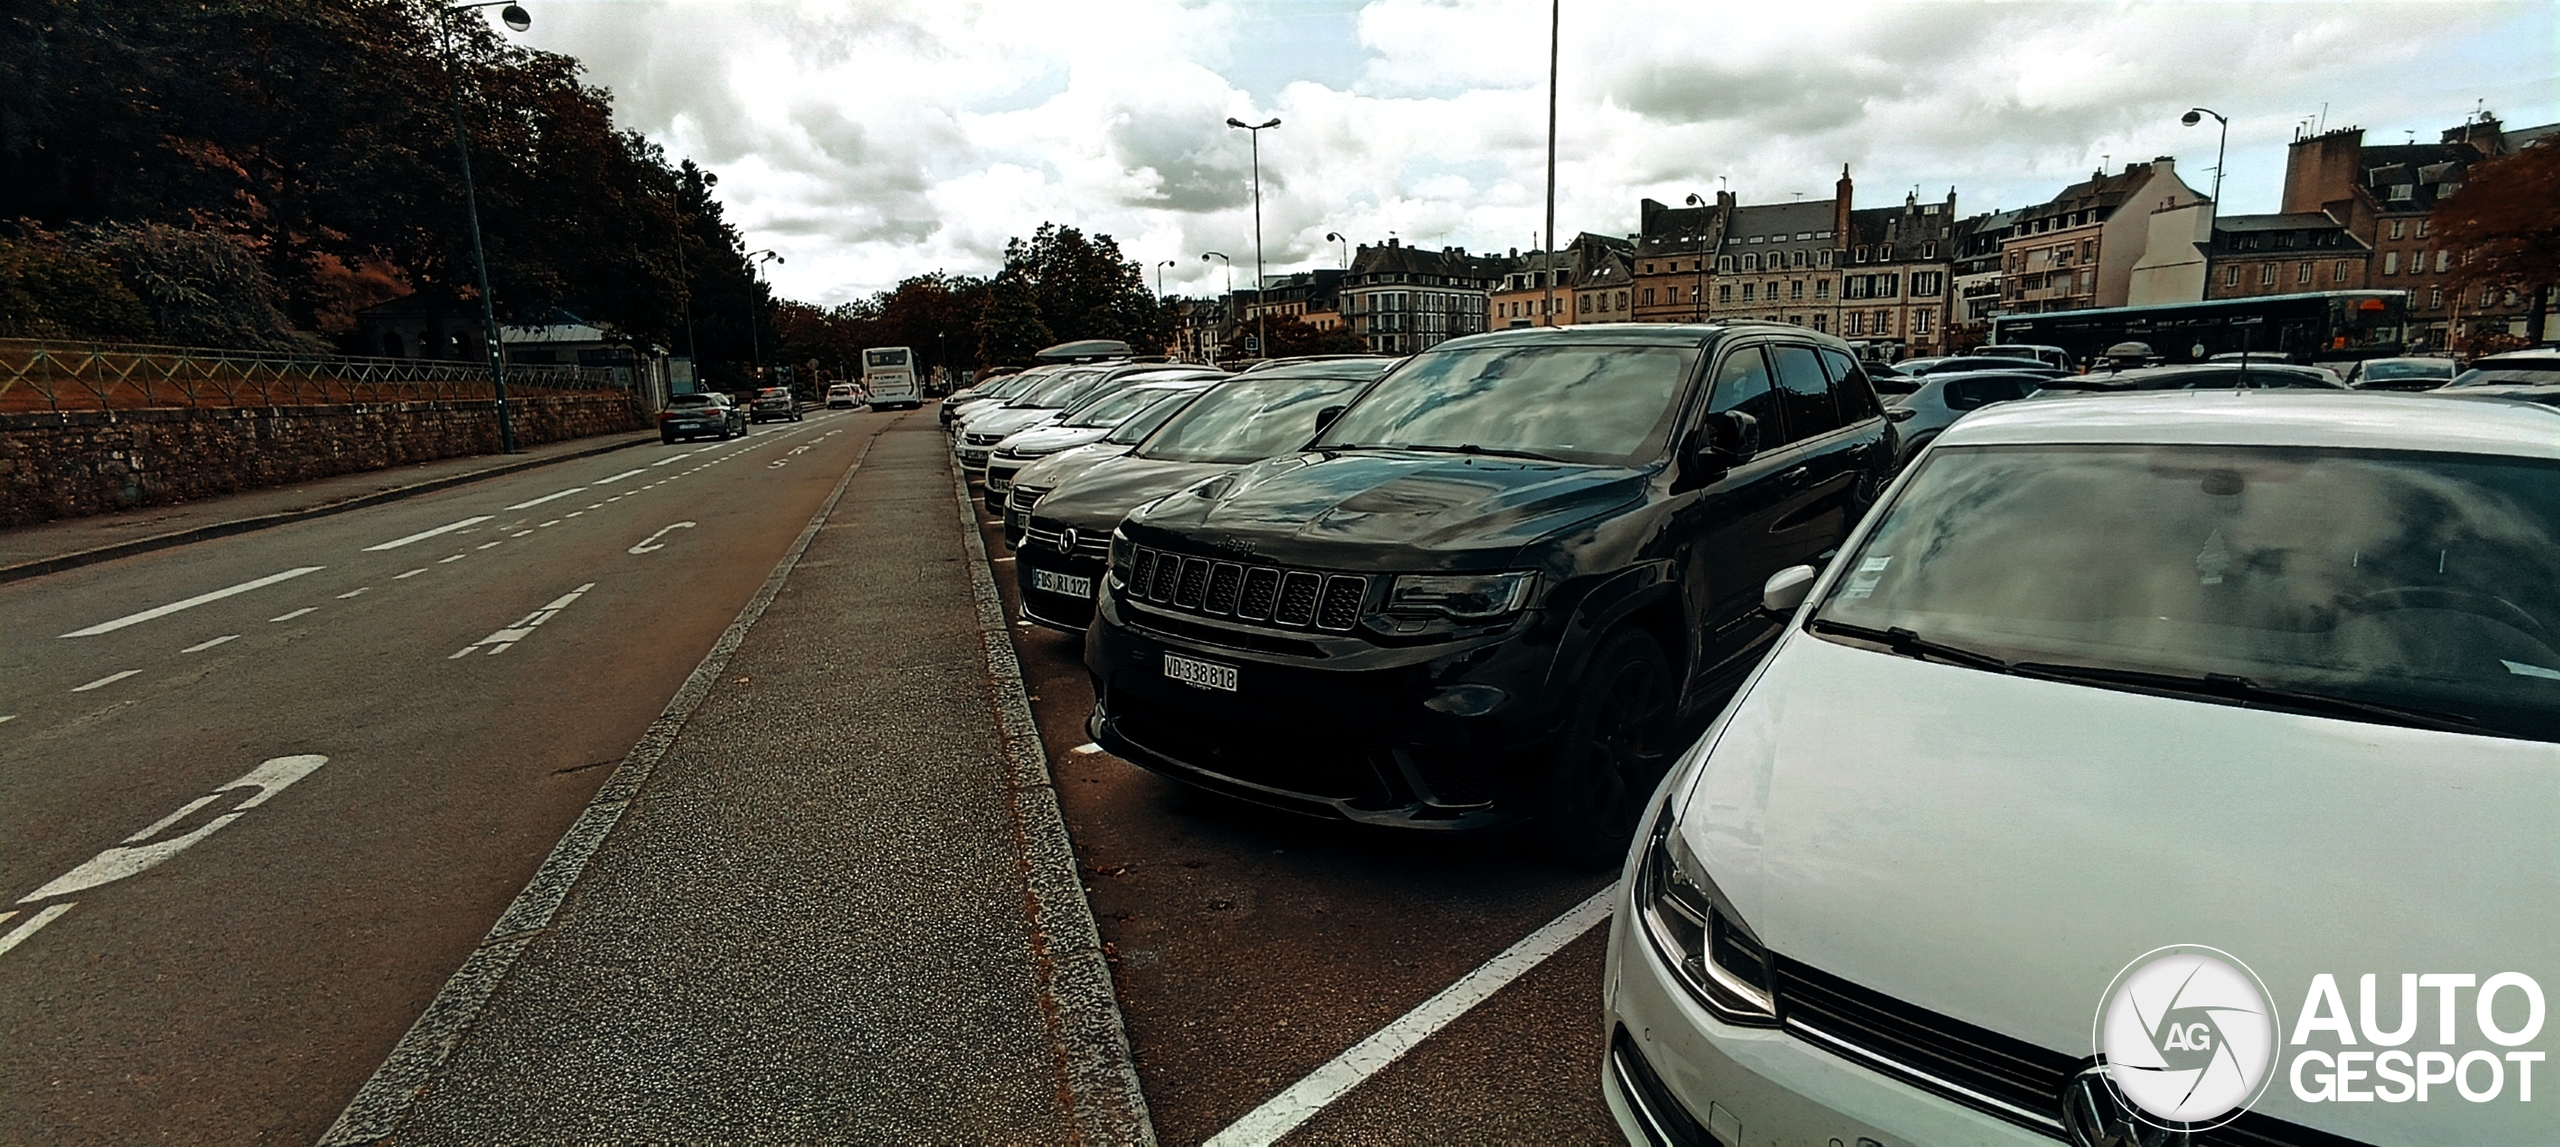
(498, 642)
(133, 856)
(646, 547)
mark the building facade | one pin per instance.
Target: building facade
(2283, 254)
(1669, 265)
(1779, 262)
(1401, 299)
(1975, 277)
(2078, 250)
(1897, 282)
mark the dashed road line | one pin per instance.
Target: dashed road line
(107, 680)
(486, 545)
(498, 642)
(356, 592)
(1283, 1113)
(191, 603)
(410, 574)
(673, 457)
(620, 476)
(546, 525)
(423, 535)
(201, 646)
(454, 558)
(521, 534)
(296, 613)
(532, 502)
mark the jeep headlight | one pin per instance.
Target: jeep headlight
(1691, 927)
(1465, 597)
(1121, 552)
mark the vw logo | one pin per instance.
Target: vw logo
(1067, 540)
(2095, 1117)
(2187, 1037)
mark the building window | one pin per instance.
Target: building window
(1751, 262)
(1648, 296)
(1884, 254)
(2403, 192)
(2391, 262)
(1750, 291)
(2435, 298)
(2338, 274)
(1822, 288)
(1822, 258)
(1622, 300)
(1884, 322)
(1854, 323)
(2266, 274)
(2422, 228)
(1648, 268)
(2488, 297)
(2444, 259)
(1795, 290)
(1724, 293)
(2302, 274)
(1821, 322)
(2398, 228)
(1920, 320)
(1724, 262)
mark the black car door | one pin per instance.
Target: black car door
(1728, 536)
(1834, 430)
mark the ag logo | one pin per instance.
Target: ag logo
(2188, 1037)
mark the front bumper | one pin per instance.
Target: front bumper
(1060, 611)
(973, 458)
(1672, 1066)
(1337, 728)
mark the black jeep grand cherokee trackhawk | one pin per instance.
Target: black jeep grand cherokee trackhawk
(1505, 580)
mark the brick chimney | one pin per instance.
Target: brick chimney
(2322, 169)
(1840, 199)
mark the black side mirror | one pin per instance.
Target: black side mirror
(1325, 418)
(1733, 438)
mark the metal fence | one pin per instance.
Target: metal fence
(57, 376)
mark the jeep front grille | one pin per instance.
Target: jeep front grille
(1290, 598)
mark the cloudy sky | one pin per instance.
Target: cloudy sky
(869, 140)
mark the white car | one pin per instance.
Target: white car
(2215, 732)
(840, 394)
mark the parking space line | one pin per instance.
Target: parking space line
(107, 680)
(191, 603)
(423, 535)
(46, 915)
(1283, 1113)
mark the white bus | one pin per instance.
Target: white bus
(889, 374)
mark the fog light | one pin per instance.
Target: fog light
(1466, 700)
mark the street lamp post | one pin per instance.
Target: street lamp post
(755, 308)
(1262, 331)
(1336, 237)
(1555, 37)
(1698, 300)
(1205, 256)
(1160, 266)
(2196, 116)
(518, 19)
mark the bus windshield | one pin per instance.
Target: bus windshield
(885, 358)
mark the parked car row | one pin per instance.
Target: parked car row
(2108, 667)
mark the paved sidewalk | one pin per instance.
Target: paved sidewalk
(826, 915)
(28, 550)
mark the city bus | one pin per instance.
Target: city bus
(889, 375)
(2322, 326)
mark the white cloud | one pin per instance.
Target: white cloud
(869, 140)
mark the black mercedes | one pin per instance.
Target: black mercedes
(1508, 579)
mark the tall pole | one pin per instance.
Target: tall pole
(479, 254)
(1261, 314)
(755, 309)
(1555, 32)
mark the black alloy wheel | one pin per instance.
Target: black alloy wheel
(1617, 742)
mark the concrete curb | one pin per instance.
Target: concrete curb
(386, 1099)
(78, 558)
(1100, 1081)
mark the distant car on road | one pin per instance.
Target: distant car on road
(2052, 356)
(2523, 375)
(706, 414)
(774, 404)
(1920, 416)
(1959, 364)
(840, 395)
(2192, 376)
(2176, 642)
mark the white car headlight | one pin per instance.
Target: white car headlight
(1465, 597)
(1716, 957)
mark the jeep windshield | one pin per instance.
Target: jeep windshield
(1247, 420)
(1602, 405)
(2405, 588)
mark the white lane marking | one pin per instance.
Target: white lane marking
(423, 535)
(191, 603)
(411, 574)
(295, 614)
(1284, 1112)
(590, 506)
(109, 679)
(201, 646)
(545, 525)
(524, 627)
(9, 718)
(1086, 749)
(644, 546)
(1001, 560)
(356, 592)
(620, 476)
(454, 558)
(673, 457)
(133, 856)
(46, 915)
(531, 503)
(576, 513)
(521, 534)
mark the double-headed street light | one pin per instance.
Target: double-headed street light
(517, 19)
(755, 311)
(1262, 331)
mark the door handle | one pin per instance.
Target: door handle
(1796, 476)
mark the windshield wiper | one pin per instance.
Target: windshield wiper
(1462, 448)
(2233, 687)
(1910, 644)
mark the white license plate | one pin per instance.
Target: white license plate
(1200, 674)
(1047, 582)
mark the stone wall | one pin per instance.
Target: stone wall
(93, 462)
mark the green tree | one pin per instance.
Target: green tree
(203, 287)
(47, 291)
(1012, 330)
(1290, 335)
(1086, 289)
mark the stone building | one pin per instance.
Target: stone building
(1974, 276)
(2079, 249)
(1897, 280)
(1520, 296)
(1606, 291)
(1669, 264)
(1311, 297)
(1778, 261)
(2283, 254)
(1401, 299)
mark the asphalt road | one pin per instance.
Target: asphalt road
(255, 834)
(1251, 947)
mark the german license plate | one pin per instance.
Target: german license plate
(1200, 674)
(1072, 586)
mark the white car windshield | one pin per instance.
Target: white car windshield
(2403, 588)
